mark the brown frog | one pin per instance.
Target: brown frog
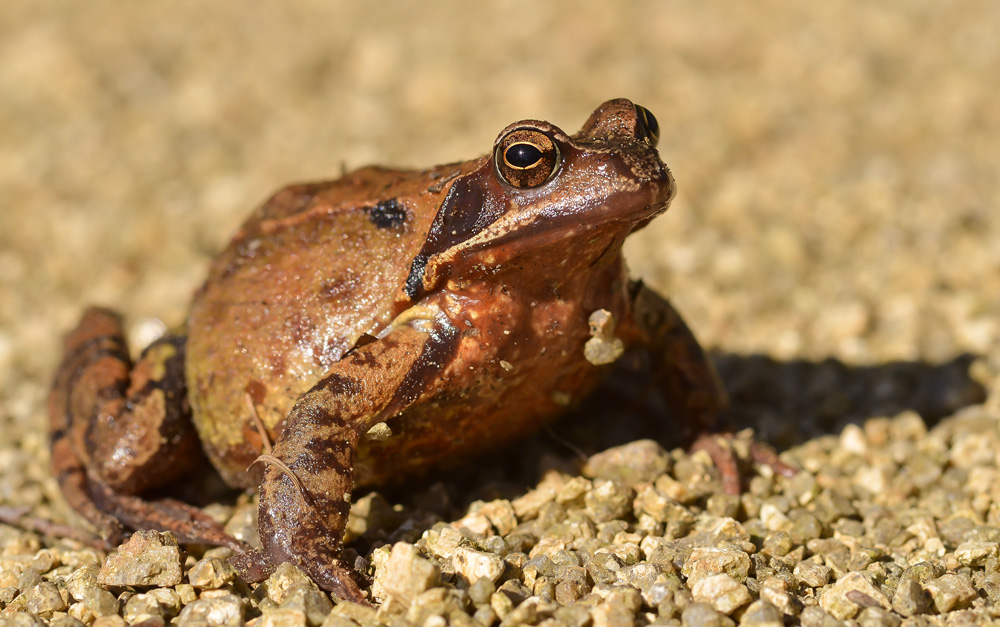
(449, 308)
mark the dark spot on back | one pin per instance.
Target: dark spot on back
(387, 214)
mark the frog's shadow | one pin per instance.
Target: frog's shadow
(785, 402)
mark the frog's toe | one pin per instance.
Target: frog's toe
(252, 566)
(763, 455)
(339, 580)
(719, 448)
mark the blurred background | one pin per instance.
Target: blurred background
(837, 162)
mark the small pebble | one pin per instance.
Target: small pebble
(704, 615)
(814, 616)
(950, 592)
(140, 607)
(308, 600)
(403, 572)
(211, 572)
(608, 500)
(723, 592)
(473, 564)
(222, 611)
(849, 594)
(706, 561)
(633, 463)
(612, 613)
(910, 598)
(148, 558)
(282, 617)
(877, 617)
(285, 578)
(762, 614)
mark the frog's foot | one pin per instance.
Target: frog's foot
(252, 566)
(288, 511)
(720, 448)
(18, 517)
(339, 580)
(188, 523)
(763, 455)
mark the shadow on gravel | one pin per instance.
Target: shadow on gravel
(785, 402)
(792, 401)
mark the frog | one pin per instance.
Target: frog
(358, 331)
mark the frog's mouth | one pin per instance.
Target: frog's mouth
(642, 222)
(622, 212)
(586, 234)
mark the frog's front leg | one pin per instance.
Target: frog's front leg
(690, 384)
(117, 430)
(305, 495)
(685, 374)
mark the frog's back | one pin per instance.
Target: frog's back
(309, 273)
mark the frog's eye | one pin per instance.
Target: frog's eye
(526, 158)
(648, 126)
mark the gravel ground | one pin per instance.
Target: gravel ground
(836, 242)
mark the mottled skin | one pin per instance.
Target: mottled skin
(451, 304)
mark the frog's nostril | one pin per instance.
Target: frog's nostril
(649, 128)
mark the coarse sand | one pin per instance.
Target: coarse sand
(835, 243)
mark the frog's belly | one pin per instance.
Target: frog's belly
(483, 416)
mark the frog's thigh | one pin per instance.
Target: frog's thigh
(94, 358)
(127, 426)
(682, 369)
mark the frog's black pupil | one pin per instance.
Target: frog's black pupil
(523, 155)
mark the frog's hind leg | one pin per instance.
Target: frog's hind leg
(117, 430)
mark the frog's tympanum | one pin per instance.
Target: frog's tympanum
(448, 309)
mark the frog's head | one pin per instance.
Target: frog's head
(543, 195)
